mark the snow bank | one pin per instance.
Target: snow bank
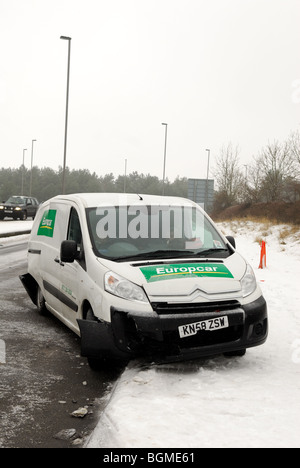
(10, 227)
(252, 401)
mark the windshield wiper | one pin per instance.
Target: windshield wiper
(208, 251)
(155, 254)
(167, 254)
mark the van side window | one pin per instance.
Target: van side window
(74, 233)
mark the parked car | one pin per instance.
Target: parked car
(19, 207)
(138, 274)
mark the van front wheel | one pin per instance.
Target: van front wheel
(94, 363)
(40, 302)
(103, 362)
(238, 353)
(90, 315)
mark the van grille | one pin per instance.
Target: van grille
(193, 308)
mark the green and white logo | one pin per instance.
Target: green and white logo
(46, 227)
(184, 270)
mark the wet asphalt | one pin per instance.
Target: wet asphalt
(43, 378)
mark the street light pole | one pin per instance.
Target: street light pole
(165, 154)
(125, 175)
(22, 188)
(30, 189)
(66, 119)
(206, 191)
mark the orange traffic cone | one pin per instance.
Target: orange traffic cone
(263, 263)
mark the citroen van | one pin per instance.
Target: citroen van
(137, 275)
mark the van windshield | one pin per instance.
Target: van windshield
(123, 233)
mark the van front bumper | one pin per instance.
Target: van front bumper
(156, 333)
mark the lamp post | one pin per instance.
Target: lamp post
(66, 118)
(165, 154)
(206, 191)
(30, 188)
(22, 188)
(125, 175)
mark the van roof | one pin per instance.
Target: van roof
(121, 199)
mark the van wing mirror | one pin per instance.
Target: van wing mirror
(68, 251)
(231, 240)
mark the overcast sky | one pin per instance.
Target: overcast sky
(216, 71)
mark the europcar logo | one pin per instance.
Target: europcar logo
(163, 272)
(2, 352)
(46, 227)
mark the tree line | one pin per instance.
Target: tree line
(45, 183)
(272, 176)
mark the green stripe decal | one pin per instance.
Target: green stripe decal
(185, 270)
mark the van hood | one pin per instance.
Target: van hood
(184, 280)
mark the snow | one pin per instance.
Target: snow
(8, 226)
(248, 402)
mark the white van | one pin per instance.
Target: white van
(140, 274)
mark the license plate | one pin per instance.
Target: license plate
(205, 325)
(8, 211)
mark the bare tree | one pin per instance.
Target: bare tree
(294, 146)
(254, 184)
(276, 166)
(229, 177)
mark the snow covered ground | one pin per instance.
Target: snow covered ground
(8, 226)
(252, 401)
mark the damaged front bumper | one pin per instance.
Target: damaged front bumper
(131, 334)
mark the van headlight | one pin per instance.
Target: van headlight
(248, 282)
(121, 287)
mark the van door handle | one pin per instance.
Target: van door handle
(57, 260)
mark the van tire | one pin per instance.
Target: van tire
(101, 362)
(238, 353)
(90, 315)
(40, 302)
(94, 363)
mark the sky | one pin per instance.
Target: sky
(216, 72)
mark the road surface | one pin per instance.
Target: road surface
(43, 378)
